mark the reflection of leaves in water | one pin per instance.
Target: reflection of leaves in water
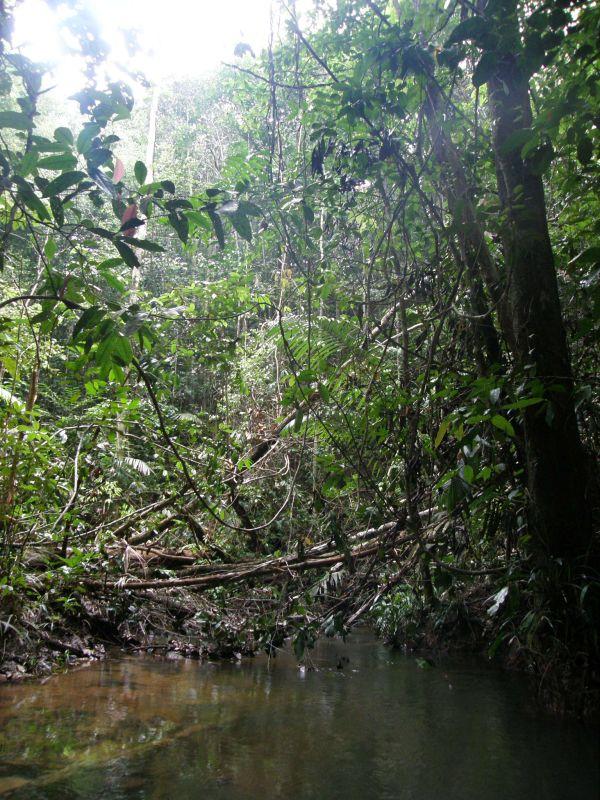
(98, 717)
(144, 728)
(11, 782)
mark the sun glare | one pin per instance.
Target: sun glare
(181, 38)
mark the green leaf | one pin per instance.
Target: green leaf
(64, 136)
(30, 198)
(524, 403)
(126, 253)
(250, 209)
(443, 429)
(309, 214)
(140, 171)
(181, 225)
(57, 211)
(28, 163)
(588, 256)
(217, 226)
(105, 347)
(324, 392)
(503, 424)
(62, 182)
(50, 249)
(103, 232)
(540, 159)
(109, 263)
(199, 218)
(242, 225)
(14, 119)
(455, 492)
(585, 150)
(89, 319)
(474, 28)
(63, 161)
(122, 352)
(88, 133)
(144, 244)
(485, 69)
(516, 140)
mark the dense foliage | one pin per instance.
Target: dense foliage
(349, 286)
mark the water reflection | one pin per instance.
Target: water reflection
(381, 728)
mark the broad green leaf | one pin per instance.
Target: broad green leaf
(324, 392)
(28, 163)
(88, 133)
(525, 403)
(485, 68)
(181, 225)
(144, 244)
(14, 119)
(474, 28)
(503, 424)
(50, 249)
(126, 253)
(309, 214)
(585, 150)
(89, 319)
(57, 211)
(588, 256)
(217, 226)
(468, 473)
(64, 136)
(121, 351)
(199, 218)
(140, 171)
(104, 349)
(443, 429)
(249, 209)
(63, 182)
(30, 198)
(241, 225)
(62, 162)
(540, 159)
(517, 139)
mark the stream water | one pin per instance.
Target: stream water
(380, 728)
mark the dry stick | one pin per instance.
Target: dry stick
(11, 483)
(260, 451)
(370, 603)
(189, 480)
(319, 549)
(76, 482)
(269, 568)
(270, 81)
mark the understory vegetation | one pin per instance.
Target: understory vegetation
(311, 343)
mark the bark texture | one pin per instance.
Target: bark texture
(556, 466)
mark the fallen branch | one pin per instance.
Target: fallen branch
(269, 568)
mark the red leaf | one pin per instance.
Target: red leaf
(119, 171)
(130, 213)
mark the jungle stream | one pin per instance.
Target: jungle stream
(357, 720)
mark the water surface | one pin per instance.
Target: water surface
(381, 728)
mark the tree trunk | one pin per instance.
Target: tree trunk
(556, 466)
(474, 251)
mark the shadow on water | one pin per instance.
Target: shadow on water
(381, 728)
